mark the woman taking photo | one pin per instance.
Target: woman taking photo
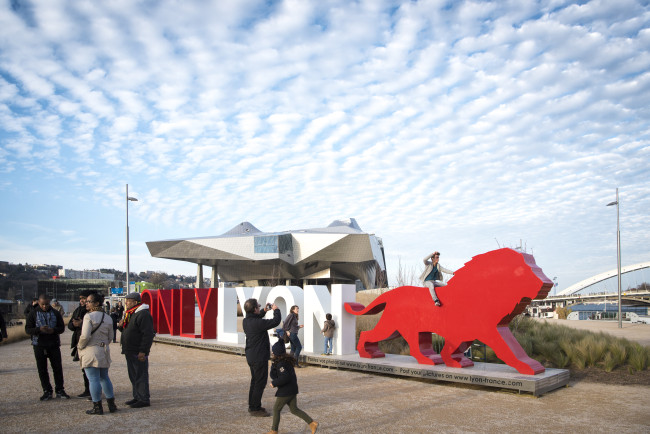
(291, 328)
(94, 354)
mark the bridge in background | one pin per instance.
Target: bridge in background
(577, 287)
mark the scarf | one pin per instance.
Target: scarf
(128, 313)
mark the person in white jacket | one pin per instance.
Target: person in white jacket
(94, 354)
(432, 275)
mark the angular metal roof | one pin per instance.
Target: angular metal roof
(340, 251)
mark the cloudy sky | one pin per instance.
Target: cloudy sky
(449, 125)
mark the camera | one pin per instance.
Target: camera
(268, 306)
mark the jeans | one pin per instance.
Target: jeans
(296, 346)
(280, 402)
(98, 379)
(328, 343)
(431, 284)
(259, 377)
(42, 354)
(139, 376)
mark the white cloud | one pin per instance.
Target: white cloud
(460, 123)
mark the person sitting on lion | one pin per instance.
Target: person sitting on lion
(432, 275)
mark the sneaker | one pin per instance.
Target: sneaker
(140, 404)
(259, 409)
(85, 394)
(62, 394)
(323, 354)
(46, 396)
(131, 401)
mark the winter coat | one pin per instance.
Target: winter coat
(93, 347)
(291, 324)
(38, 318)
(328, 328)
(258, 347)
(138, 336)
(284, 378)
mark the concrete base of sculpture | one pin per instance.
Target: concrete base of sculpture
(481, 374)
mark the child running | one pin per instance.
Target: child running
(328, 332)
(283, 377)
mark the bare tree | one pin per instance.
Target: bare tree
(406, 276)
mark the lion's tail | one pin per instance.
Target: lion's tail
(377, 305)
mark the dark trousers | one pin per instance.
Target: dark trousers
(139, 376)
(280, 402)
(259, 376)
(42, 354)
(296, 346)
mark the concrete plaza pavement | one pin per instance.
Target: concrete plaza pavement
(203, 391)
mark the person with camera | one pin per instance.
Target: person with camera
(258, 350)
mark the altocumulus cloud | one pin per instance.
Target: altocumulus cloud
(438, 125)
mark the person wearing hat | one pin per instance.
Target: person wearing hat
(432, 275)
(283, 376)
(75, 324)
(137, 337)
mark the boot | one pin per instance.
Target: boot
(97, 408)
(111, 405)
(313, 426)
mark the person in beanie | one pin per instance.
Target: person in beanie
(257, 351)
(75, 323)
(44, 325)
(94, 353)
(137, 337)
(283, 376)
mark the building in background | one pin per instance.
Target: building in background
(339, 253)
(85, 274)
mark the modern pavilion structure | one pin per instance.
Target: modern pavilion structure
(339, 253)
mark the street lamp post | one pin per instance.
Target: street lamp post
(133, 199)
(618, 257)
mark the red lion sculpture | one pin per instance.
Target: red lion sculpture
(478, 303)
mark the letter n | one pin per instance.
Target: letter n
(170, 309)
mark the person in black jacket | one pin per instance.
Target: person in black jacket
(116, 319)
(30, 307)
(137, 337)
(258, 350)
(74, 325)
(44, 325)
(283, 376)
